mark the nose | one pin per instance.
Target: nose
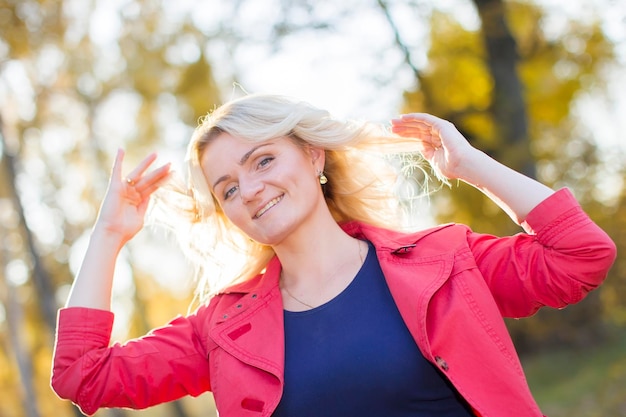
(249, 188)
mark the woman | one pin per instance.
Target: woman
(334, 311)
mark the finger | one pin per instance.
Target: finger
(154, 186)
(420, 121)
(413, 130)
(116, 170)
(410, 124)
(135, 175)
(426, 136)
(153, 180)
(423, 121)
(424, 117)
(409, 117)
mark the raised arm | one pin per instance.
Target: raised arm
(121, 217)
(454, 158)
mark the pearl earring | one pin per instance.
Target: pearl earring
(323, 179)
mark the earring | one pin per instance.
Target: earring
(323, 179)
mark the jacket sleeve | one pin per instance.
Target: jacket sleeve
(164, 365)
(562, 256)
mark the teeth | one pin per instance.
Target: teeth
(268, 206)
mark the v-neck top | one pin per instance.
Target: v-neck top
(354, 356)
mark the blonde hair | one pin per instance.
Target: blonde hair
(360, 170)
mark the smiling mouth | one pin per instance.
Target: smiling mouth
(268, 206)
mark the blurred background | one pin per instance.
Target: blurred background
(539, 85)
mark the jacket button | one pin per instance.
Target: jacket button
(253, 296)
(239, 306)
(441, 363)
(225, 316)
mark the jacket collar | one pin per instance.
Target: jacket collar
(388, 240)
(395, 242)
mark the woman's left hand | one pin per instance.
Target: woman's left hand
(440, 143)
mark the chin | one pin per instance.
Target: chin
(272, 238)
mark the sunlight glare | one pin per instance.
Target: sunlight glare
(105, 25)
(16, 272)
(21, 87)
(115, 122)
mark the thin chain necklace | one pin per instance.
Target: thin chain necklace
(284, 287)
(296, 298)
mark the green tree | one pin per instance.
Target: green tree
(79, 80)
(510, 89)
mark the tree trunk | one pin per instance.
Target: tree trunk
(41, 281)
(15, 322)
(40, 277)
(508, 109)
(17, 345)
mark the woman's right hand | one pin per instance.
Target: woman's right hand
(124, 206)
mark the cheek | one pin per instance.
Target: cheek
(233, 212)
(301, 174)
(311, 182)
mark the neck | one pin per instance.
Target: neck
(318, 249)
(319, 267)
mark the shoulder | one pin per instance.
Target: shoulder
(255, 288)
(443, 238)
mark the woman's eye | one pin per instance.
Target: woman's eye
(265, 161)
(229, 192)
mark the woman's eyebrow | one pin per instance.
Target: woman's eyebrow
(242, 161)
(220, 179)
(245, 157)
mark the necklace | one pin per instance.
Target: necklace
(296, 298)
(284, 287)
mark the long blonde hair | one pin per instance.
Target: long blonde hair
(359, 166)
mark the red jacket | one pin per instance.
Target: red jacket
(451, 285)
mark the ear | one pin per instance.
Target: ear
(318, 157)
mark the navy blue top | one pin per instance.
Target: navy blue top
(354, 356)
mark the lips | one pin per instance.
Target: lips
(268, 206)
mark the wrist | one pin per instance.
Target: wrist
(474, 166)
(107, 237)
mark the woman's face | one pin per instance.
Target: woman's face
(267, 189)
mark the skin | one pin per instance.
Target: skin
(274, 194)
(275, 197)
(121, 216)
(451, 154)
(297, 223)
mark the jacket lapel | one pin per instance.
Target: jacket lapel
(413, 272)
(251, 327)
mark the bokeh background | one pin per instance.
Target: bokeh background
(539, 85)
